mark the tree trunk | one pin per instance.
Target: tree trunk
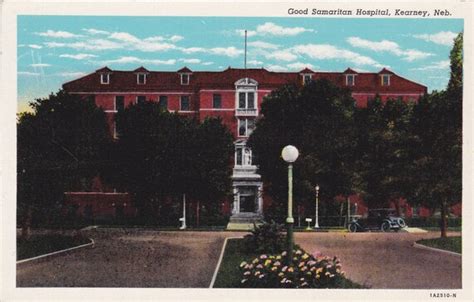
(197, 213)
(444, 220)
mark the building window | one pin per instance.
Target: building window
(246, 100)
(184, 79)
(350, 80)
(184, 104)
(216, 101)
(119, 103)
(163, 102)
(306, 79)
(246, 127)
(104, 78)
(141, 99)
(141, 78)
(243, 156)
(385, 80)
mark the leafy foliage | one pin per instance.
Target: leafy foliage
(64, 141)
(318, 119)
(305, 271)
(266, 238)
(165, 155)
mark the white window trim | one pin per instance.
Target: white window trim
(105, 76)
(353, 79)
(180, 104)
(247, 134)
(189, 78)
(138, 78)
(136, 98)
(385, 75)
(115, 102)
(115, 130)
(310, 75)
(246, 91)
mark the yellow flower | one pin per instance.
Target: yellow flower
(280, 274)
(305, 256)
(243, 263)
(255, 260)
(301, 264)
(319, 270)
(278, 257)
(275, 268)
(290, 269)
(267, 262)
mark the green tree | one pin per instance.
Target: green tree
(385, 151)
(60, 144)
(438, 127)
(164, 155)
(319, 120)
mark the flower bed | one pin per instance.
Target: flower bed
(305, 271)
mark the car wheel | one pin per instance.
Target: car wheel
(352, 228)
(401, 222)
(385, 227)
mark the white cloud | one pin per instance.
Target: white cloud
(250, 33)
(330, 52)
(190, 61)
(149, 44)
(435, 66)
(388, 46)
(255, 62)
(71, 74)
(176, 38)
(135, 60)
(94, 44)
(262, 45)
(28, 73)
(227, 51)
(300, 66)
(277, 30)
(79, 56)
(276, 68)
(282, 55)
(207, 63)
(192, 50)
(57, 34)
(442, 37)
(40, 65)
(35, 46)
(94, 31)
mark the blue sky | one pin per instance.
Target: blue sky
(56, 49)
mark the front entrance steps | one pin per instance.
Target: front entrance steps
(244, 221)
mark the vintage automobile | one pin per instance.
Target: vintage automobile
(378, 219)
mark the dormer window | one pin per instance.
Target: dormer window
(385, 80)
(141, 78)
(184, 79)
(350, 79)
(307, 78)
(105, 78)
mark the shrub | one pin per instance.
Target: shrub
(265, 238)
(305, 271)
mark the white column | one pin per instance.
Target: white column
(236, 207)
(260, 199)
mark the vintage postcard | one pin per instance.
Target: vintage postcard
(216, 150)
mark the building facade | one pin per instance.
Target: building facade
(235, 95)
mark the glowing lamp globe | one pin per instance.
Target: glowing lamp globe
(290, 154)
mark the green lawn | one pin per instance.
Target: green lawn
(453, 244)
(229, 276)
(38, 245)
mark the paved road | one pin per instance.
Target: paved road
(132, 258)
(388, 260)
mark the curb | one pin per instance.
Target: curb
(214, 276)
(421, 246)
(57, 253)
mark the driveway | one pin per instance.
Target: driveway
(141, 258)
(131, 258)
(387, 260)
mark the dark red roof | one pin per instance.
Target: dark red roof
(104, 70)
(306, 70)
(350, 71)
(385, 71)
(157, 81)
(141, 69)
(185, 70)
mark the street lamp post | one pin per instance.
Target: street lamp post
(316, 219)
(290, 154)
